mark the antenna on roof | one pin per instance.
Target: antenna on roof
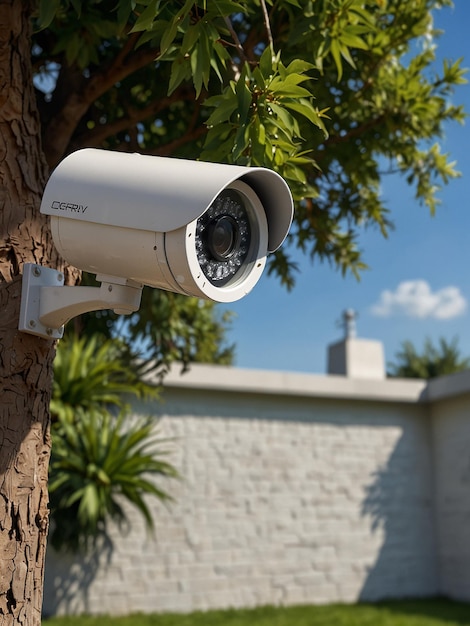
(348, 323)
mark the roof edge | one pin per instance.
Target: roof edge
(229, 379)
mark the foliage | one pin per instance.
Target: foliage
(254, 119)
(101, 456)
(98, 461)
(433, 361)
(330, 94)
(399, 613)
(91, 373)
(168, 327)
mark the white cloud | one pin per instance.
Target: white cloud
(415, 298)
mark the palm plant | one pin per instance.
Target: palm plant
(93, 372)
(101, 457)
(434, 360)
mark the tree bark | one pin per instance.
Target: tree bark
(25, 361)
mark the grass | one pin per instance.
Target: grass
(396, 613)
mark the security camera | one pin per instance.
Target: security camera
(201, 229)
(195, 228)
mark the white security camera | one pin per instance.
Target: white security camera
(201, 229)
(195, 228)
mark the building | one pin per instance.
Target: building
(296, 488)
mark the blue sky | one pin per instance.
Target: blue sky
(424, 267)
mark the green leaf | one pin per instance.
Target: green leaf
(147, 17)
(47, 11)
(266, 62)
(241, 142)
(73, 47)
(180, 72)
(350, 37)
(77, 5)
(224, 8)
(168, 37)
(190, 38)
(336, 52)
(291, 90)
(305, 108)
(223, 112)
(244, 98)
(288, 122)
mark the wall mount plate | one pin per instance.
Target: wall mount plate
(34, 278)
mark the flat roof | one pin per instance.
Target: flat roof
(238, 380)
(235, 380)
(448, 386)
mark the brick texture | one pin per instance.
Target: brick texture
(284, 500)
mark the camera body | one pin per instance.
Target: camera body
(201, 229)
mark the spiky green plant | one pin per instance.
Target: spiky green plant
(434, 360)
(101, 455)
(92, 373)
(98, 462)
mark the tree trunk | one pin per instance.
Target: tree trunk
(25, 361)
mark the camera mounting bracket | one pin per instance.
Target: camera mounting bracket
(46, 304)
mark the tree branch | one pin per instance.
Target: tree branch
(194, 131)
(236, 40)
(95, 136)
(170, 147)
(267, 26)
(353, 132)
(63, 124)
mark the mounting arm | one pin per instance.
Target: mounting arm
(46, 304)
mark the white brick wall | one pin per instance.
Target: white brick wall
(290, 495)
(451, 429)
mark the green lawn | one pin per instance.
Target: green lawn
(399, 613)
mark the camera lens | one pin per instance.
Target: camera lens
(223, 237)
